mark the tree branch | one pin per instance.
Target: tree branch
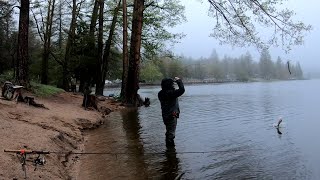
(223, 15)
(10, 11)
(42, 18)
(248, 31)
(150, 4)
(56, 59)
(34, 16)
(273, 18)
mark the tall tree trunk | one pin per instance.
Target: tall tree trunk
(93, 23)
(125, 62)
(47, 43)
(69, 46)
(99, 90)
(134, 57)
(103, 68)
(22, 54)
(91, 48)
(60, 25)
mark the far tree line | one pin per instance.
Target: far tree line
(215, 69)
(95, 40)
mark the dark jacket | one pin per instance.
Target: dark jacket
(168, 97)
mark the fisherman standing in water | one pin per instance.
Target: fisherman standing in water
(168, 97)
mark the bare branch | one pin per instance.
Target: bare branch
(10, 11)
(150, 4)
(236, 27)
(38, 29)
(42, 18)
(273, 18)
(223, 15)
(248, 31)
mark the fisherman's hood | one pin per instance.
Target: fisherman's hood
(167, 84)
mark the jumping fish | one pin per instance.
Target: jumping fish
(279, 122)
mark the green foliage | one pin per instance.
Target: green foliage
(150, 72)
(44, 90)
(215, 71)
(160, 15)
(35, 65)
(243, 68)
(170, 67)
(266, 65)
(281, 70)
(239, 27)
(6, 76)
(7, 36)
(299, 72)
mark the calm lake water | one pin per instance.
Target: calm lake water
(225, 131)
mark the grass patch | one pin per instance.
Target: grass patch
(38, 89)
(44, 90)
(6, 76)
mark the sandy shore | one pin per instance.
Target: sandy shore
(61, 128)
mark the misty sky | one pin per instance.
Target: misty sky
(197, 42)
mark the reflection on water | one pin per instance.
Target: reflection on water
(170, 165)
(232, 128)
(131, 162)
(131, 126)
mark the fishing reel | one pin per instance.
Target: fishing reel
(39, 161)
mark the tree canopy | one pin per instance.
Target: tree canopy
(85, 39)
(256, 22)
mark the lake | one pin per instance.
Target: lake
(225, 131)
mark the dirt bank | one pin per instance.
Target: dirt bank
(58, 129)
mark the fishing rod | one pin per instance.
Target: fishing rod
(40, 160)
(22, 156)
(123, 153)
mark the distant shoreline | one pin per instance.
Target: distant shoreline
(117, 85)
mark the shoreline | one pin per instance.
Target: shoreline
(62, 128)
(198, 82)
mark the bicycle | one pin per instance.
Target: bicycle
(11, 91)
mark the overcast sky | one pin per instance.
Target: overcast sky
(197, 42)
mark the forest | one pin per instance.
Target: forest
(227, 69)
(54, 41)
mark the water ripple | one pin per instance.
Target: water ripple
(233, 123)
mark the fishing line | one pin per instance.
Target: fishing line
(148, 153)
(169, 151)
